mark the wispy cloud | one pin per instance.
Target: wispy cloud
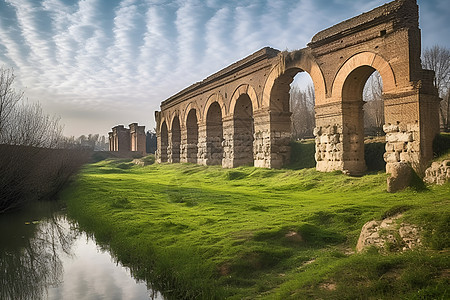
(118, 59)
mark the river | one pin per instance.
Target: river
(43, 255)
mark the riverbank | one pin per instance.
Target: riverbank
(43, 255)
(29, 174)
(199, 232)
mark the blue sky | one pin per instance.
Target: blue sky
(99, 63)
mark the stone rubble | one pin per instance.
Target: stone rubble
(438, 173)
(380, 234)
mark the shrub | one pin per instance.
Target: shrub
(441, 144)
(30, 173)
(149, 159)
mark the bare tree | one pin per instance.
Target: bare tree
(9, 98)
(94, 142)
(30, 167)
(437, 58)
(28, 125)
(302, 108)
(374, 106)
(24, 123)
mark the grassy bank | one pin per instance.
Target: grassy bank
(210, 233)
(31, 173)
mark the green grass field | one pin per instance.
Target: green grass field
(199, 232)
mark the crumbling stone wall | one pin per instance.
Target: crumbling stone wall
(339, 60)
(438, 173)
(132, 139)
(137, 138)
(329, 147)
(119, 139)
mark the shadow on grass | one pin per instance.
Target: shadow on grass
(304, 235)
(302, 155)
(303, 152)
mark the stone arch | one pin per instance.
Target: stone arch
(214, 134)
(290, 64)
(175, 139)
(192, 135)
(276, 98)
(192, 105)
(244, 89)
(348, 87)
(173, 115)
(216, 97)
(161, 122)
(164, 140)
(370, 59)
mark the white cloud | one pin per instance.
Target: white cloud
(118, 60)
(190, 33)
(121, 55)
(218, 37)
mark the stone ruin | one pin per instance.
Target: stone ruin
(389, 235)
(240, 115)
(126, 140)
(438, 172)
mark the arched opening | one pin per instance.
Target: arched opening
(302, 100)
(353, 119)
(303, 121)
(192, 136)
(214, 135)
(279, 96)
(164, 142)
(292, 118)
(374, 141)
(280, 119)
(373, 105)
(243, 136)
(176, 140)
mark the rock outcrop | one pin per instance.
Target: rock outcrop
(388, 234)
(438, 173)
(400, 176)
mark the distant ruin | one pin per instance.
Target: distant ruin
(124, 140)
(240, 115)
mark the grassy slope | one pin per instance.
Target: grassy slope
(207, 232)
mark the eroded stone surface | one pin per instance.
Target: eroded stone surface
(389, 233)
(400, 174)
(438, 173)
(130, 139)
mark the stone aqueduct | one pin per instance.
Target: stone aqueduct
(240, 115)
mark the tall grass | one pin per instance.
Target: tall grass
(199, 232)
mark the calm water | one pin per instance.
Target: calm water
(44, 256)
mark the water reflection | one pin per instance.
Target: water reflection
(43, 256)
